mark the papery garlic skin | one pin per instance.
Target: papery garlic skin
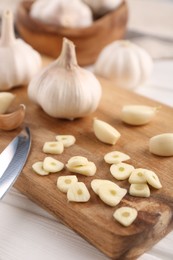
(19, 61)
(100, 7)
(65, 90)
(162, 144)
(127, 64)
(71, 14)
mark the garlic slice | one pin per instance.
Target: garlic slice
(138, 176)
(88, 170)
(152, 179)
(52, 165)
(67, 140)
(121, 171)
(162, 144)
(115, 157)
(78, 192)
(64, 182)
(77, 161)
(138, 114)
(38, 168)
(105, 132)
(139, 190)
(111, 194)
(95, 184)
(125, 215)
(53, 147)
(6, 99)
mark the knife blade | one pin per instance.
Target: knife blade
(14, 156)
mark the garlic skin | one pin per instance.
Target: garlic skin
(19, 62)
(65, 90)
(71, 14)
(127, 64)
(161, 144)
(100, 7)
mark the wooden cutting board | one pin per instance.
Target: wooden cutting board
(93, 220)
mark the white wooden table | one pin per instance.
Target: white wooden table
(27, 231)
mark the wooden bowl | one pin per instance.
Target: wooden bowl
(89, 41)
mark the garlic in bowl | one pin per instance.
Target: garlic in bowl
(89, 41)
(19, 61)
(127, 64)
(65, 90)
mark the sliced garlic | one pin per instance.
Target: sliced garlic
(152, 179)
(111, 194)
(115, 157)
(105, 132)
(121, 171)
(162, 144)
(52, 165)
(139, 190)
(6, 99)
(67, 140)
(138, 176)
(88, 170)
(77, 161)
(38, 168)
(64, 182)
(125, 215)
(138, 114)
(95, 184)
(78, 192)
(53, 147)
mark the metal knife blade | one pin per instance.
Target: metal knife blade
(16, 155)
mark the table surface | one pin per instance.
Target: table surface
(27, 231)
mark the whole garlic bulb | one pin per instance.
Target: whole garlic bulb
(19, 62)
(124, 62)
(100, 7)
(66, 13)
(63, 89)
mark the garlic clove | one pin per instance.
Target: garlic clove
(53, 147)
(52, 165)
(125, 215)
(88, 170)
(6, 99)
(121, 171)
(78, 192)
(161, 144)
(96, 183)
(64, 182)
(67, 140)
(152, 179)
(138, 176)
(138, 114)
(139, 190)
(105, 132)
(115, 157)
(12, 120)
(77, 161)
(63, 89)
(38, 168)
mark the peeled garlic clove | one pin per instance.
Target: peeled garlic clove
(96, 183)
(111, 194)
(115, 157)
(77, 161)
(138, 176)
(53, 147)
(125, 215)
(52, 165)
(38, 168)
(162, 144)
(139, 190)
(105, 132)
(64, 182)
(67, 140)
(152, 179)
(88, 170)
(12, 120)
(78, 192)
(138, 114)
(121, 171)
(6, 99)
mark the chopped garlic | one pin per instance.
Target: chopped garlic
(115, 157)
(53, 147)
(38, 168)
(67, 140)
(89, 169)
(95, 184)
(138, 176)
(78, 192)
(77, 161)
(64, 182)
(152, 179)
(139, 190)
(121, 171)
(52, 165)
(125, 215)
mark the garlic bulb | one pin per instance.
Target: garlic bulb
(100, 7)
(124, 62)
(19, 62)
(63, 89)
(72, 14)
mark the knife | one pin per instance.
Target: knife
(12, 160)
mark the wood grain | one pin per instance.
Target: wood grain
(93, 220)
(47, 39)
